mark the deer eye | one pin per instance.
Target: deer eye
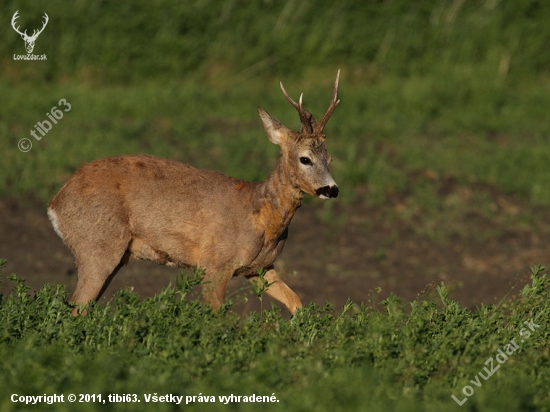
(305, 161)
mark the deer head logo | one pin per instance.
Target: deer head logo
(29, 40)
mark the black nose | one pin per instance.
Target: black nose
(328, 191)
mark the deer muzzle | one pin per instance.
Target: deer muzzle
(327, 192)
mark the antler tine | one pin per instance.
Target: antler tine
(45, 22)
(292, 102)
(332, 106)
(307, 120)
(15, 17)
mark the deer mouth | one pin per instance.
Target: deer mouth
(327, 192)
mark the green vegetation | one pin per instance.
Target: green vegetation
(400, 357)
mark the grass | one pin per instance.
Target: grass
(410, 356)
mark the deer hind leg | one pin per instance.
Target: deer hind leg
(279, 290)
(97, 267)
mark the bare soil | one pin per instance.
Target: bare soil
(353, 253)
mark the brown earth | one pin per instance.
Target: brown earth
(347, 252)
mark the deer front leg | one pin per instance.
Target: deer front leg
(213, 289)
(279, 290)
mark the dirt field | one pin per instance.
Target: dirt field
(350, 257)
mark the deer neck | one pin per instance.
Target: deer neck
(278, 200)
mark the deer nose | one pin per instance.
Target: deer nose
(327, 191)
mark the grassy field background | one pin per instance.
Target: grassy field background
(460, 88)
(434, 93)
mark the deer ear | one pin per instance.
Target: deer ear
(274, 129)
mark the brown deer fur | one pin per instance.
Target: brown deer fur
(144, 207)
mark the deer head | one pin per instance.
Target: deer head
(29, 40)
(304, 153)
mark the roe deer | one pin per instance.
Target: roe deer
(144, 207)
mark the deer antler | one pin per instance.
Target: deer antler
(307, 119)
(35, 32)
(47, 19)
(14, 18)
(333, 103)
(309, 124)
